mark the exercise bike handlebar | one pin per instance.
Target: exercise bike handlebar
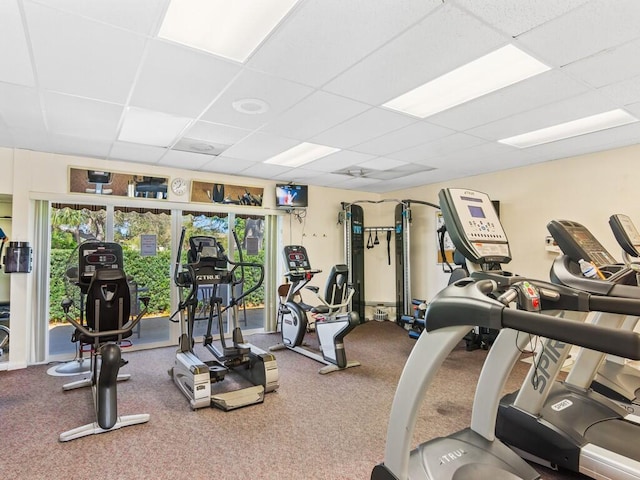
(130, 325)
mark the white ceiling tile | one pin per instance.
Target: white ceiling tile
(136, 152)
(15, 62)
(141, 16)
(80, 117)
(180, 80)
(522, 96)
(423, 154)
(572, 108)
(6, 139)
(319, 43)
(609, 66)
(103, 60)
(313, 115)
(264, 170)
(356, 183)
(31, 139)
(259, 146)
(277, 93)
(518, 16)
(588, 29)
(20, 107)
(415, 134)
(214, 132)
(623, 93)
(382, 163)
(363, 127)
(70, 145)
(298, 175)
(151, 128)
(424, 52)
(226, 165)
(187, 160)
(338, 160)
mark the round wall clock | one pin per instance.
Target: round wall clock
(179, 186)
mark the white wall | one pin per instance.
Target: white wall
(587, 189)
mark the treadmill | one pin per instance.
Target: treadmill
(483, 300)
(567, 424)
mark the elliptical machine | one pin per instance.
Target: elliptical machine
(208, 265)
(102, 280)
(331, 326)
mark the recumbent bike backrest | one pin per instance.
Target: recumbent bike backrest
(108, 304)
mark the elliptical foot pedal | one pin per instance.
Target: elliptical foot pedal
(238, 398)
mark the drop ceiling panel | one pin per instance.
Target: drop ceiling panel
(352, 183)
(324, 37)
(298, 175)
(190, 161)
(15, 63)
(424, 52)
(367, 125)
(259, 147)
(586, 30)
(70, 145)
(80, 117)
(136, 153)
(179, 80)
(313, 115)
(31, 139)
(141, 16)
(264, 170)
(516, 17)
(227, 165)
(523, 96)
(20, 107)
(573, 108)
(609, 66)
(214, 132)
(338, 160)
(423, 154)
(90, 60)
(415, 134)
(623, 93)
(277, 93)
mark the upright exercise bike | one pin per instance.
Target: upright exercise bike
(106, 323)
(208, 266)
(332, 322)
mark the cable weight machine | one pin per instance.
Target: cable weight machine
(352, 219)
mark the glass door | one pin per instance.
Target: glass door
(145, 237)
(70, 226)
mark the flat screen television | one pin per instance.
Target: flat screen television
(291, 196)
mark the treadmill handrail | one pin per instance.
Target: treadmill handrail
(466, 303)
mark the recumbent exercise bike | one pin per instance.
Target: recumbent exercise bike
(104, 324)
(332, 324)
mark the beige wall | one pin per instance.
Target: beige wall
(587, 189)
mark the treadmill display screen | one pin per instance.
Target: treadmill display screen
(476, 212)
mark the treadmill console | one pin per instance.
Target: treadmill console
(626, 234)
(95, 256)
(473, 225)
(577, 243)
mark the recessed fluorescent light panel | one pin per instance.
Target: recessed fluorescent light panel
(151, 128)
(230, 28)
(301, 154)
(496, 70)
(594, 123)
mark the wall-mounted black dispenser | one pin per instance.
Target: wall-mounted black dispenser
(18, 258)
